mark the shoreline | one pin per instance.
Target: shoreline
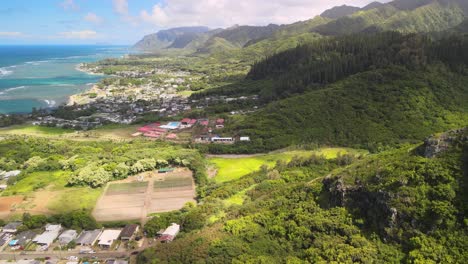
(74, 98)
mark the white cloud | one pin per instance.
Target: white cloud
(84, 34)
(69, 5)
(224, 13)
(11, 34)
(121, 7)
(93, 18)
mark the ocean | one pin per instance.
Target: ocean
(45, 76)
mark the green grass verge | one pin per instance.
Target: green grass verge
(35, 130)
(38, 180)
(233, 168)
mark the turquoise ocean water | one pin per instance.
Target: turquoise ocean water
(45, 76)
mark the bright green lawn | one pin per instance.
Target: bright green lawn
(35, 130)
(234, 168)
(38, 180)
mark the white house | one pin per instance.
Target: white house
(108, 237)
(170, 233)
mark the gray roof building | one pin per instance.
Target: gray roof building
(24, 237)
(11, 227)
(67, 237)
(87, 238)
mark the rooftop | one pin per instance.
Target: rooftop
(88, 237)
(108, 236)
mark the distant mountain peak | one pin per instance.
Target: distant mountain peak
(340, 11)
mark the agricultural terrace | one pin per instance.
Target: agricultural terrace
(147, 193)
(231, 167)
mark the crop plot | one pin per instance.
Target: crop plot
(135, 200)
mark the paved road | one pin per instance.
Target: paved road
(60, 255)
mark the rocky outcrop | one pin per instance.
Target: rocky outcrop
(372, 206)
(436, 144)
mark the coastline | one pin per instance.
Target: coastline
(78, 98)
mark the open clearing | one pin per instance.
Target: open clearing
(7, 204)
(233, 167)
(108, 132)
(131, 199)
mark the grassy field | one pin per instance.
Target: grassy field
(54, 180)
(234, 168)
(47, 192)
(75, 199)
(31, 130)
(113, 132)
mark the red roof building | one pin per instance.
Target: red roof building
(220, 121)
(193, 122)
(185, 121)
(171, 136)
(204, 123)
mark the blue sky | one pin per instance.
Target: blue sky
(126, 21)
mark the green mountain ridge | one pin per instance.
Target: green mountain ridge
(394, 207)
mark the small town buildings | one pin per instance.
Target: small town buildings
(244, 138)
(5, 237)
(171, 136)
(88, 238)
(129, 232)
(108, 237)
(3, 187)
(170, 233)
(220, 123)
(67, 237)
(222, 140)
(11, 227)
(22, 238)
(48, 237)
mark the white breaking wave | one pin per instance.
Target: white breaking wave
(50, 103)
(5, 72)
(62, 84)
(14, 88)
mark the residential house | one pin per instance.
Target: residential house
(48, 237)
(67, 237)
(129, 232)
(108, 237)
(170, 233)
(88, 238)
(12, 227)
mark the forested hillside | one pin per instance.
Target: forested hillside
(395, 207)
(370, 109)
(404, 16)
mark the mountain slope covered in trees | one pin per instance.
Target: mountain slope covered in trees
(395, 207)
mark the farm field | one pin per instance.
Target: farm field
(46, 193)
(233, 167)
(131, 199)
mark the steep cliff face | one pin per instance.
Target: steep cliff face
(403, 192)
(438, 144)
